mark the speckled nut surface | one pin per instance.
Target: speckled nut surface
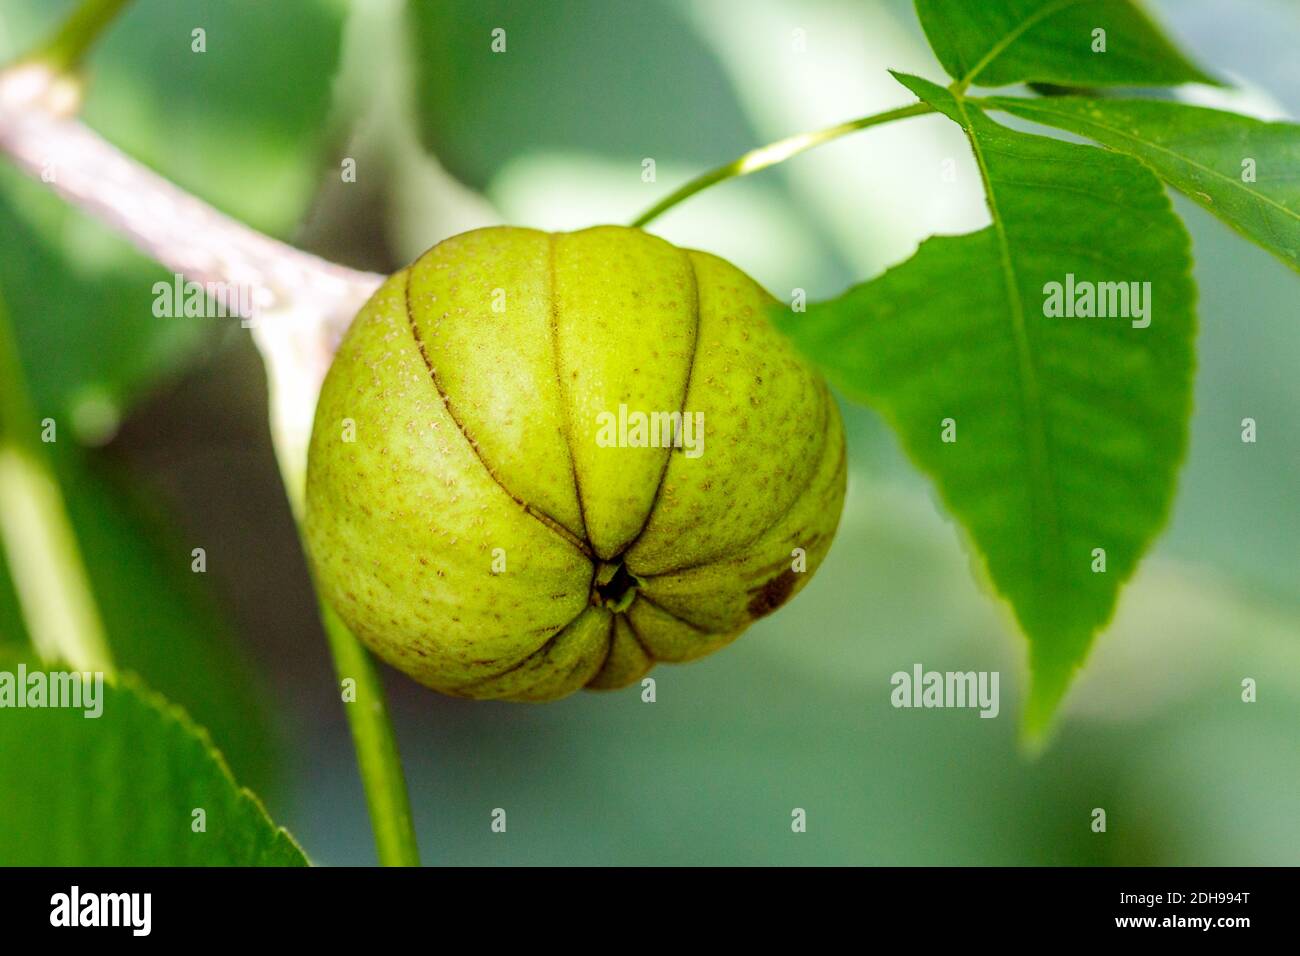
(499, 501)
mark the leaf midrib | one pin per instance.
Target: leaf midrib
(1031, 396)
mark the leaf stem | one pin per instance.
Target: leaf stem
(774, 153)
(378, 761)
(377, 756)
(64, 51)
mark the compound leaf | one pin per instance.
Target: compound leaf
(1068, 431)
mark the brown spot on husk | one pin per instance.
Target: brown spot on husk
(772, 594)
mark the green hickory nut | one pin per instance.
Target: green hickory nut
(484, 512)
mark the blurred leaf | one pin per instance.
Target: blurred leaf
(159, 619)
(13, 635)
(999, 42)
(1199, 151)
(51, 588)
(82, 301)
(220, 124)
(162, 623)
(1069, 430)
(600, 78)
(120, 789)
(242, 125)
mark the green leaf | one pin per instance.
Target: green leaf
(1069, 431)
(999, 42)
(121, 789)
(1209, 155)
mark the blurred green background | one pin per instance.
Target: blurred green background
(172, 451)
